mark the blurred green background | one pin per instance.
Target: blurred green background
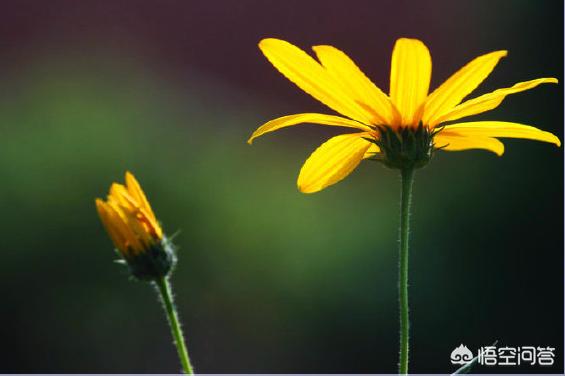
(268, 279)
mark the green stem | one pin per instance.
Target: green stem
(405, 198)
(164, 287)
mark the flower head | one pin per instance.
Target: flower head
(401, 129)
(135, 231)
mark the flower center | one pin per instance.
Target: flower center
(405, 147)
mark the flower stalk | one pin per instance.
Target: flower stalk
(164, 287)
(401, 129)
(144, 248)
(407, 176)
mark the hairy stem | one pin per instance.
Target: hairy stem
(165, 291)
(405, 198)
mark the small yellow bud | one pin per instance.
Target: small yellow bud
(135, 231)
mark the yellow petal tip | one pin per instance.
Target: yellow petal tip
(265, 42)
(306, 190)
(406, 39)
(553, 139)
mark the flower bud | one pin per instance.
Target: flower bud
(135, 231)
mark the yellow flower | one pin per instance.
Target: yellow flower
(128, 218)
(409, 111)
(135, 231)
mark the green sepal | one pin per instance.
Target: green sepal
(405, 147)
(155, 262)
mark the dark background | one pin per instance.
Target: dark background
(269, 280)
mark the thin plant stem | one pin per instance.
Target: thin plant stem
(405, 198)
(164, 287)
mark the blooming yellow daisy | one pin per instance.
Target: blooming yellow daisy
(403, 128)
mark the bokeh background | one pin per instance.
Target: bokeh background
(269, 280)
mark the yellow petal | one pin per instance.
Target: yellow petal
(287, 121)
(332, 161)
(122, 223)
(108, 222)
(145, 219)
(500, 129)
(410, 74)
(373, 149)
(141, 233)
(137, 193)
(456, 142)
(459, 85)
(119, 194)
(488, 101)
(310, 76)
(356, 84)
(118, 229)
